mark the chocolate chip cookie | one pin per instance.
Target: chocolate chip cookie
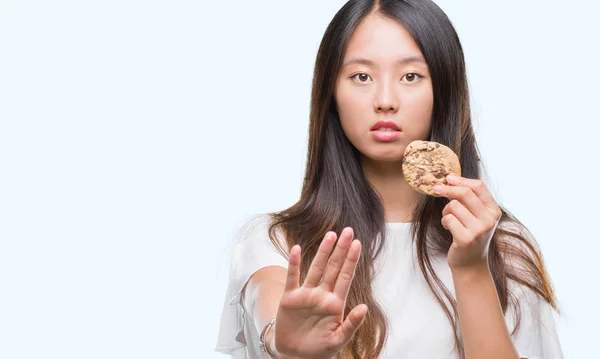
(426, 164)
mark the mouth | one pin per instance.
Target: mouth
(385, 135)
(385, 129)
(385, 126)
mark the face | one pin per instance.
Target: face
(383, 77)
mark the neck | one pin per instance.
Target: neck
(388, 180)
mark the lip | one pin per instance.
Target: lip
(385, 124)
(385, 136)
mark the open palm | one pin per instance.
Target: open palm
(310, 320)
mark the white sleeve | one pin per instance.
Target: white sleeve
(537, 337)
(252, 251)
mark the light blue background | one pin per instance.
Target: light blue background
(135, 137)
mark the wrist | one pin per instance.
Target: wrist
(270, 343)
(471, 273)
(264, 340)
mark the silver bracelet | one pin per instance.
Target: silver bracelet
(261, 341)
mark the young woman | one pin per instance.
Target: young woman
(410, 275)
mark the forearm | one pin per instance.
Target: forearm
(484, 330)
(265, 308)
(263, 301)
(261, 298)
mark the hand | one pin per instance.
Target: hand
(310, 322)
(472, 217)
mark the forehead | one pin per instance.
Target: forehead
(381, 39)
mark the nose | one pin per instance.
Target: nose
(386, 98)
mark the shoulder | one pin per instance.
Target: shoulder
(252, 251)
(253, 225)
(533, 324)
(255, 231)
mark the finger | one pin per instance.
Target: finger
(293, 272)
(451, 223)
(478, 187)
(315, 272)
(353, 321)
(337, 259)
(466, 218)
(344, 279)
(467, 197)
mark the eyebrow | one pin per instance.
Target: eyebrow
(402, 61)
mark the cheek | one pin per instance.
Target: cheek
(419, 112)
(419, 101)
(352, 107)
(351, 111)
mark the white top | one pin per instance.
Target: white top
(417, 325)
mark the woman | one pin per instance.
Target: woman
(411, 276)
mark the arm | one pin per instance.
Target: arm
(485, 334)
(262, 294)
(472, 217)
(310, 319)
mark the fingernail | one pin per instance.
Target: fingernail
(438, 189)
(451, 179)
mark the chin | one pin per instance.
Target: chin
(387, 156)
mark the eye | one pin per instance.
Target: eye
(360, 77)
(412, 77)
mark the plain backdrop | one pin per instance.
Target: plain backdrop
(136, 136)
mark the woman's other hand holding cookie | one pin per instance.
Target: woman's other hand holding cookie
(471, 216)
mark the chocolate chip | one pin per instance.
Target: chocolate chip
(420, 171)
(438, 175)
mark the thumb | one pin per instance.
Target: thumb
(353, 321)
